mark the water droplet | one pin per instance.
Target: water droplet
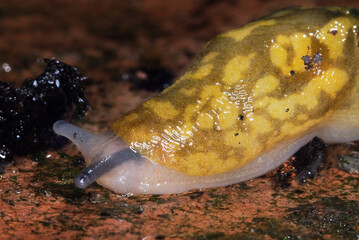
(6, 67)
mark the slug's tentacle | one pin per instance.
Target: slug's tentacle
(96, 170)
(93, 147)
(77, 135)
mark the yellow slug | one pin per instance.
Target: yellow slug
(252, 98)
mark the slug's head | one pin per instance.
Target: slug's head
(112, 164)
(102, 154)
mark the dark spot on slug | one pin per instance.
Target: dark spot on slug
(287, 110)
(292, 73)
(240, 117)
(236, 134)
(334, 32)
(317, 58)
(307, 62)
(239, 142)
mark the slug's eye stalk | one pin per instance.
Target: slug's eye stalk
(82, 138)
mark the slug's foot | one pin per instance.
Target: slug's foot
(304, 164)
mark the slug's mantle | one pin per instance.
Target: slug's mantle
(251, 89)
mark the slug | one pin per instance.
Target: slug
(252, 98)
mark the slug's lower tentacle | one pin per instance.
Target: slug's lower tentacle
(96, 170)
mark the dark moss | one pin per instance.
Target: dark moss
(119, 210)
(329, 215)
(8, 201)
(208, 236)
(69, 192)
(165, 216)
(105, 214)
(66, 223)
(13, 179)
(156, 198)
(352, 181)
(275, 228)
(57, 176)
(160, 237)
(218, 202)
(39, 157)
(45, 224)
(223, 236)
(299, 197)
(322, 192)
(194, 195)
(244, 186)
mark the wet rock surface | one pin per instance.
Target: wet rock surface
(104, 41)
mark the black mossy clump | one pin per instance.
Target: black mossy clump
(304, 164)
(28, 113)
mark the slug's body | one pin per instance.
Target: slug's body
(252, 98)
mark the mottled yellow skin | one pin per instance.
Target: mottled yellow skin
(250, 90)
